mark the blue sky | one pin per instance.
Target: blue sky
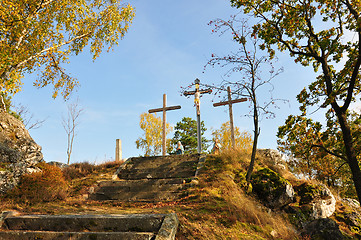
(166, 47)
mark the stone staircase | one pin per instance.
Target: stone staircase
(89, 227)
(150, 179)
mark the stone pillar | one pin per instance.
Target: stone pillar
(118, 150)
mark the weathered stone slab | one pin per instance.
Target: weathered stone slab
(168, 229)
(89, 227)
(89, 223)
(173, 166)
(143, 189)
(16, 235)
(153, 196)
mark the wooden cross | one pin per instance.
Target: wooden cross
(229, 103)
(197, 94)
(164, 109)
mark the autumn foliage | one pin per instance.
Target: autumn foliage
(44, 186)
(243, 140)
(41, 35)
(151, 142)
(316, 34)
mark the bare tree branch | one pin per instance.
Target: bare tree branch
(70, 125)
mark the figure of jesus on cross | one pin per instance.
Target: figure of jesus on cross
(197, 94)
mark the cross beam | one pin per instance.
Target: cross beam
(230, 102)
(186, 93)
(197, 94)
(164, 109)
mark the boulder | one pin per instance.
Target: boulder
(350, 215)
(322, 229)
(19, 154)
(273, 157)
(272, 188)
(319, 197)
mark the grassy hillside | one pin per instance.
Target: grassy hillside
(220, 205)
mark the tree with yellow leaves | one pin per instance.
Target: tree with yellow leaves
(151, 142)
(243, 140)
(41, 34)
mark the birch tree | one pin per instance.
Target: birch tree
(40, 35)
(70, 124)
(151, 142)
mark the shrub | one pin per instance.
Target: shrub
(44, 186)
(110, 164)
(78, 170)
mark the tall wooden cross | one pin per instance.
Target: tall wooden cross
(164, 109)
(229, 103)
(197, 94)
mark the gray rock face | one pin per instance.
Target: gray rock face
(319, 198)
(19, 153)
(272, 188)
(273, 157)
(324, 206)
(352, 218)
(323, 229)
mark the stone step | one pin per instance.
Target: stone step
(143, 185)
(140, 190)
(154, 196)
(86, 223)
(173, 166)
(127, 227)
(16, 235)
(156, 173)
(156, 161)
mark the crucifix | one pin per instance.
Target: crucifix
(164, 109)
(229, 103)
(197, 94)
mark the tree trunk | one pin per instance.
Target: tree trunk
(254, 147)
(3, 103)
(350, 151)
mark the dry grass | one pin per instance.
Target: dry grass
(216, 208)
(221, 210)
(84, 175)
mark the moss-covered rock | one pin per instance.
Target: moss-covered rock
(319, 197)
(308, 192)
(323, 229)
(272, 188)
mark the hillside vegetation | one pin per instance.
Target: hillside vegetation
(220, 205)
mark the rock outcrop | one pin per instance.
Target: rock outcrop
(323, 229)
(19, 153)
(272, 188)
(319, 197)
(273, 158)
